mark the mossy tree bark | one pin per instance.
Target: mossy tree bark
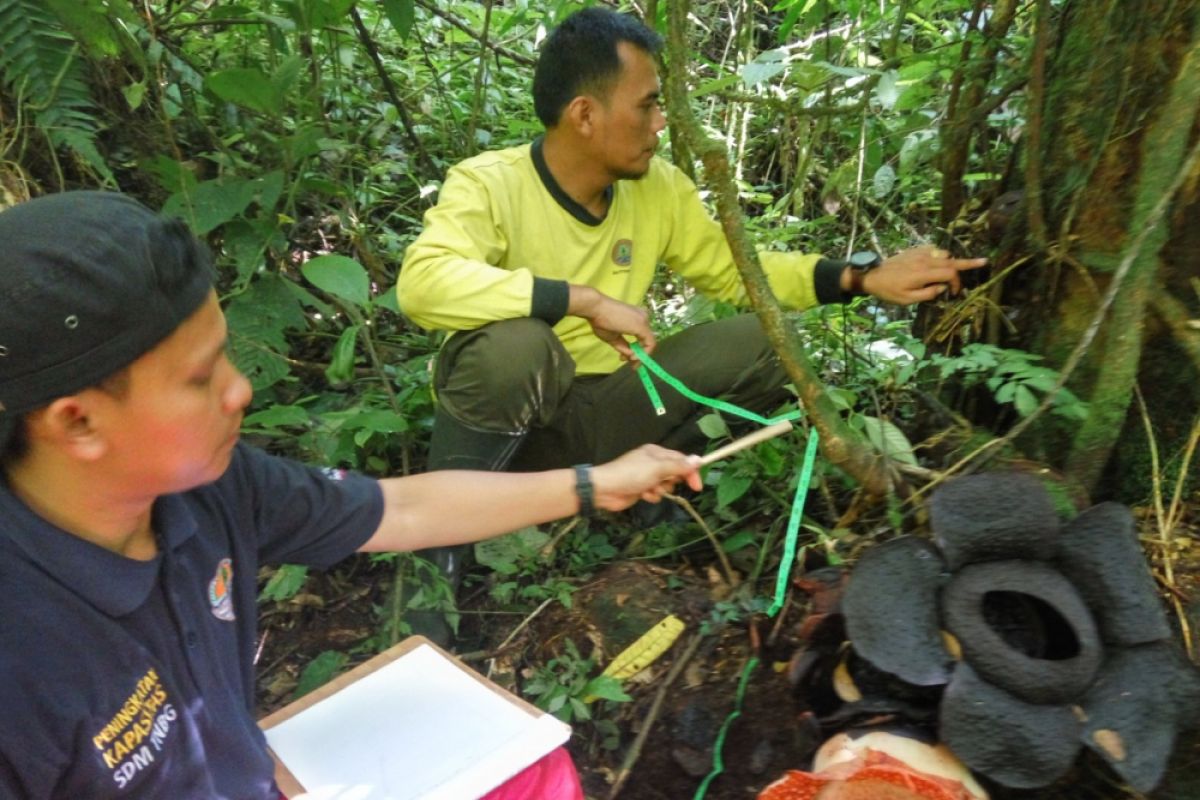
(1121, 102)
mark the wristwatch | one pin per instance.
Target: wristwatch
(860, 264)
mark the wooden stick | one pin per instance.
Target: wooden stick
(749, 440)
(635, 749)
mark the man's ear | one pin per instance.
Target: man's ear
(580, 114)
(67, 425)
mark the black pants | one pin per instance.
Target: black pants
(514, 384)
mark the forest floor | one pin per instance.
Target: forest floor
(339, 611)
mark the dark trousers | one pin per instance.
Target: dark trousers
(509, 392)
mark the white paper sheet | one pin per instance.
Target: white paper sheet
(417, 728)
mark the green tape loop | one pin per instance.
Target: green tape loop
(670, 380)
(659, 408)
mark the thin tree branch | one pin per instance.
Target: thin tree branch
(511, 55)
(477, 104)
(1034, 207)
(389, 88)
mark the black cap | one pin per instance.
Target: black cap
(89, 281)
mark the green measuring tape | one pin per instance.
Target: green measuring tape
(670, 380)
(789, 541)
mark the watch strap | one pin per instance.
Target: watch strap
(585, 490)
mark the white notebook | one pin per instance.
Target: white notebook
(412, 723)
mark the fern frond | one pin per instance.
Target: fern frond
(40, 65)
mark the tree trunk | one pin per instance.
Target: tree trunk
(1120, 104)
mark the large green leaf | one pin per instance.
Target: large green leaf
(733, 485)
(91, 23)
(503, 553)
(246, 87)
(888, 439)
(208, 205)
(400, 14)
(258, 321)
(765, 66)
(277, 416)
(341, 277)
(285, 584)
(324, 13)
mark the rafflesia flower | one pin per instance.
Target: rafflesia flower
(1059, 639)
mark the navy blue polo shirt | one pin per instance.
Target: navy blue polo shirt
(123, 678)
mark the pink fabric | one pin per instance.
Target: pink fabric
(552, 778)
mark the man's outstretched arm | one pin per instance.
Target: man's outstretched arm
(453, 507)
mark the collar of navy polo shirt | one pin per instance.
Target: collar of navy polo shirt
(112, 583)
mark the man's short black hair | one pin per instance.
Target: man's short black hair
(580, 56)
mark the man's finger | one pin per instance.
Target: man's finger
(928, 293)
(621, 346)
(966, 263)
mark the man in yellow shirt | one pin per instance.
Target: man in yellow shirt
(539, 258)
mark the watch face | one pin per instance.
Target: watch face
(864, 259)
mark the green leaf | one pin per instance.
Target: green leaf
(277, 417)
(341, 277)
(388, 300)
(258, 319)
(208, 205)
(378, 421)
(580, 710)
(914, 96)
(319, 672)
(606, 687)
(765, 66)
(324, 13)
(504, 553)
(1024, 400)
(771, 458)
(134, 94)
(400, 14)
(738, 541)
(884, 180)
(341, 365)
(713, 426)
(886, 91)
(285, 584)
(888, 439)
(89, 24)
(246, 87)
(843, 399)
(714, 85)
(731, 487)
(285, 75)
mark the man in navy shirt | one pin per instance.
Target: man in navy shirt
(133, 523)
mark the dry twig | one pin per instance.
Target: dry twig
(635, 749)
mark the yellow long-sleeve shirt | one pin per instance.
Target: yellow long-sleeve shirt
(504, 241)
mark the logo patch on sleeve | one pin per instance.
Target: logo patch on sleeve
(220, 591)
